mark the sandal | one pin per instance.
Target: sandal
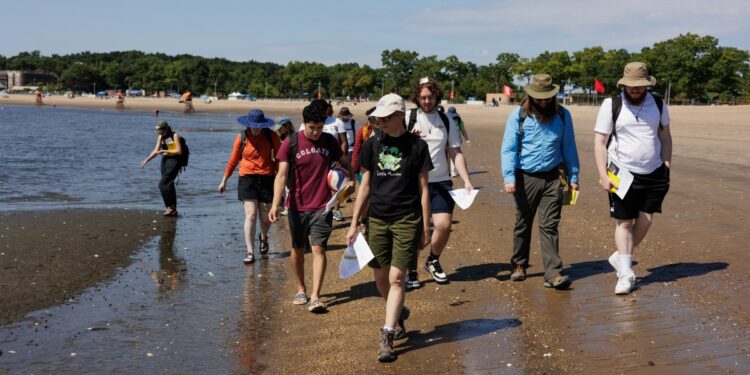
(263, 244)
(317, 307)
(300, 298)
(249, 258)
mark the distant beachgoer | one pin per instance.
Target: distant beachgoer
(169, 146)
(120, 101)
(285, 128)
(257, 162)
(539, 138)
(460, 123)
(188, 98)
(638, 140)
(39, 98)
(394, 182)
(155, 113)
(441, 134)
(304, 162)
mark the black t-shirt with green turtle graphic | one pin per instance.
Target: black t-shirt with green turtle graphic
(395, 169)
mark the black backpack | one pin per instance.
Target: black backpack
(185, 157)
(617, 107)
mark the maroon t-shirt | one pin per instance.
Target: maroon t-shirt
(311, 165)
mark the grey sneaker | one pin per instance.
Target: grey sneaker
(615, 263)
(338, 216)
(412, 280)
(436, 270)
(386, 352)
(401, 329)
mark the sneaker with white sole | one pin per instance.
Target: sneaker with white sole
(625, 283)
(614, 261)
(337, 215)
(436, 270)
(412, 280)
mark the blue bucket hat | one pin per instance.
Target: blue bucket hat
(256, 119)
(452, 110)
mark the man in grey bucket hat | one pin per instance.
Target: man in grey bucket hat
(632, 135)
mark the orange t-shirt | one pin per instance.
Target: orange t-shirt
(257, 156)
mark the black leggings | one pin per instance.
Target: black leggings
(170, 167)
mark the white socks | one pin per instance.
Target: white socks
(625, 262)
(389, 329)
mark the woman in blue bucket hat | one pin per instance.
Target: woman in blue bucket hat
(254, 151)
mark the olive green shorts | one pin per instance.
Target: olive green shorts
(395, 242)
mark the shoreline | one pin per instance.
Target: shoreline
(51, 256)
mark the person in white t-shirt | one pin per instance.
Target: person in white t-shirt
(346, 121)
(442, 137)
(638, 140)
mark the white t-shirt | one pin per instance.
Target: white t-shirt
(351, 131)
(636, 145)
(433, 132)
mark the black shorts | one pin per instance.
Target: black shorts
(255, 186)
(646, 194)
(314, 224)
(440, 198)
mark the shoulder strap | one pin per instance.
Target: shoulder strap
(660, 105)
(521, 120)
(446, 122)
(616, 108)
(412, 120)
(242, 141)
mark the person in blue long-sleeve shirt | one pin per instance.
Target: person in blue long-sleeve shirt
(538, 139)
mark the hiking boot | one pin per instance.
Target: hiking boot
(412, 280)
(436, 270)
(625, 283)
(615, 263)
(401, 329)
(519, 273)
(337, 215)
(559, 282)
(386, 352)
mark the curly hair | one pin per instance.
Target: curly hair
(315, 112)
(431, 85)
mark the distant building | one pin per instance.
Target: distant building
(19, 78)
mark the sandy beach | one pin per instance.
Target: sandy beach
(688, 315)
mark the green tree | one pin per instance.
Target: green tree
(399, 67)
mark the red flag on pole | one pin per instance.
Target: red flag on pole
(318, 94)
(452, 95)
(507, 90)
(599, 86)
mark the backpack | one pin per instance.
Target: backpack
(354, 132)
(617, 107)
(269, 136)
(185, 157)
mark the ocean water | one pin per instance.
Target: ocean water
(186, 304)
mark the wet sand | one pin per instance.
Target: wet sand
(49, 257)
(689, 314)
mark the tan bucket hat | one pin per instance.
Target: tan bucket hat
(636, 75)
(541, 87)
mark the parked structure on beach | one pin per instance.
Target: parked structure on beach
(20, 79)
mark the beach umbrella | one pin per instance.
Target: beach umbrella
(186, 94)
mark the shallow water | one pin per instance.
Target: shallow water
(187, 304)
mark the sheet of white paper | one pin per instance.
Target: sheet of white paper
(462, 198)
(626, 179)
(332, 202)
(355, 257)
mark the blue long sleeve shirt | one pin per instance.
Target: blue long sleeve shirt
(544, 146)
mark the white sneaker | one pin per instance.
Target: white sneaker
(625, 283)
(615, 263)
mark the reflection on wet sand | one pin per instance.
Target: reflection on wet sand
(172, 269)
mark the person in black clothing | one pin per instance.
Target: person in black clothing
(168, 145)
(394, 181)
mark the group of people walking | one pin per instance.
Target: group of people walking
(402, 159)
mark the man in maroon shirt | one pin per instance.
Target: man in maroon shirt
(308, 196)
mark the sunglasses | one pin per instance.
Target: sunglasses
(379, 120)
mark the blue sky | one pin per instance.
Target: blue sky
(338, 31)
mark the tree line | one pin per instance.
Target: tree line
(693, 67)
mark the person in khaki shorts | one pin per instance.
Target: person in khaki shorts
(394, 181)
